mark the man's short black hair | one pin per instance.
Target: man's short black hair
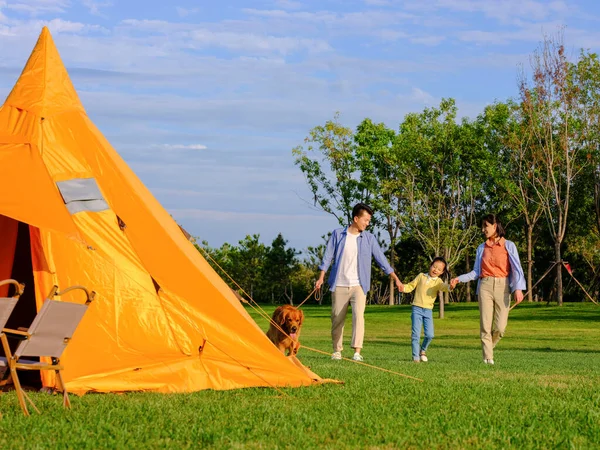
(358, 209)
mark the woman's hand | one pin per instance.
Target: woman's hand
(454, 282)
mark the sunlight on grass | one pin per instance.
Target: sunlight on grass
(543, 392)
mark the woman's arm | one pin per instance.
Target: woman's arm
(517, 277)
(473, 274)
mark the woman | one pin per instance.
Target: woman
(498, 271)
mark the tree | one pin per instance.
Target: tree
(379, 175)
(585, 75)
(519, 168)
(280, 264)
(329, 165)
(438, 159)
(248, 261)
(551, 108)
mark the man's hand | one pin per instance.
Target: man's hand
(454, 282)
(319, 283)
(518, 294)
(400, 286)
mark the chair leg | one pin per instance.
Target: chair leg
(31, 402)
(66, 401)
(19, 391)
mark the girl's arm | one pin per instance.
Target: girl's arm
(443, 287)
(409, 287)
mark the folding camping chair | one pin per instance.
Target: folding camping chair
(7, 304)
(48, 336)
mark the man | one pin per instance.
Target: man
(351, 249)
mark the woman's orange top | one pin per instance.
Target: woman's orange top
(494, 261)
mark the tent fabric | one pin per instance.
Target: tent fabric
(163, 320)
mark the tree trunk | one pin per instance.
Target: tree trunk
(468, 264)
(391, 279)
(597, 197)
(559, 283)
(529, 262)
(441, 301)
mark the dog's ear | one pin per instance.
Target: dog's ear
(301, 314)
(283, 316)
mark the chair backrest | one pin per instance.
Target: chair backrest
(52, 329)
(7, 304)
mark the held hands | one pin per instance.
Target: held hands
(400, 286)
(518, 294)
(454, 282)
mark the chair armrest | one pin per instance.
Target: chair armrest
(16, 334)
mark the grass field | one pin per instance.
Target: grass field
(543, 392)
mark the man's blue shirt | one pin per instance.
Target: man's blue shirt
(367, 246)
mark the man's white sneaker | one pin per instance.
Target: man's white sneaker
(336, 356)
(489, 361)
(424, 357)
(357, 357)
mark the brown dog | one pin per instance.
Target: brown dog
(290, 321)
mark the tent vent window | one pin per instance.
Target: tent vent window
(82, 194)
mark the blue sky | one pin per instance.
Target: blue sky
(205, 103)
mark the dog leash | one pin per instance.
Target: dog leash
(254, 305)
(317, 293)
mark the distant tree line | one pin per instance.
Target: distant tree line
(534, 160)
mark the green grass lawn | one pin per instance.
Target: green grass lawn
(543, 392)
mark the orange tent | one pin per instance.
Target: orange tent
(72, 212)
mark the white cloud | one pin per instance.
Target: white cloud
(428, 40)
(420, 96)
(508, 10)
(185, 12)
(288, 4)
(391, 35)
(349, 21)
(184, 147)
(38, 7)
(530, 32)
(377, 2)
(256, 43)
(2, 16)
(94, 7)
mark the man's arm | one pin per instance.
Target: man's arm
(321, 280)
(383, 263)
(327, 258)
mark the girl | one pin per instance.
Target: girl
(427, 286)
(498, 272)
